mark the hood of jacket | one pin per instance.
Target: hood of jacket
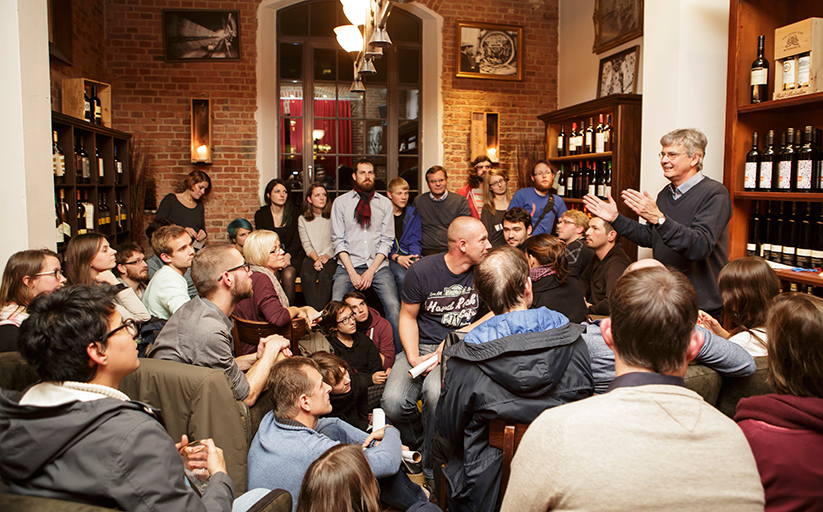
(33, 436)
(525, 352)
(796, 412)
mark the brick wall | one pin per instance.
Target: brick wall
(151, 97)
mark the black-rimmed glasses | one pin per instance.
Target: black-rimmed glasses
(244, 266)
(56, 273)
(130, 325)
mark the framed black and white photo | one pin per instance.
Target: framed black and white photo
(618, 73)
(486, 50)
(616, 22)
(201, 35)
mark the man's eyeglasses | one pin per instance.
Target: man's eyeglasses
(134, 262)
(346, 319)
(541, 174)
(670, 156)
(244, 266)
(565, 221)
(56, 273)
(130, 325)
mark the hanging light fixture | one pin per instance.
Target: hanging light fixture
(366, 37)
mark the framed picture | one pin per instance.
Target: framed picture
(616, 22)
(201, 35)
(485, 50)
(618, 73)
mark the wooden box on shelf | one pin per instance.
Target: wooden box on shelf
(792, 41)
(73, 103)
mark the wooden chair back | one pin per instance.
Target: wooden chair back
(250, 331)
(506, 437)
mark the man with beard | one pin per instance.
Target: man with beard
(473, 191)
(517, 228)
(544, 207)
(362, 232)
(437, 210)
(200, 332)
(132, 267)
(373, 326)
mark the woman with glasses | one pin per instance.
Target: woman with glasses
(89, 260)
(27, 275)
(268, 302)
(496, 198)
(356, 349)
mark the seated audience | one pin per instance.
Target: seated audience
(185, 208)
(167, 291)
(294, 434)
(496, 199)
(280, 215)
(74, 436)
(89, 260)
(552, 285)
(373, 326)
(355, 349)
(200, 331)
(268, 302)
(314, 228)
(341, 479)
(132, 269)
(155, 263)
(717, 353)
(238, 230)
(607, 265)
(517, 227)
(510, 367)
(437, 209)
(348, 396)
(473, 191)
(571, 228)
(650, 443)
(406, 247)
(785, 429)
(27, 275)
(748, 285)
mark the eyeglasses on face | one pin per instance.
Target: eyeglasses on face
(135, 262)
(244, 266)
(346, 319)
(57, 274)
(276, 249)
(670, 155)
(496, 183)
(130, 325)
(565, 221)
(542, 174)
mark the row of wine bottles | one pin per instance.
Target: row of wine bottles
(589, 177)
(588, 139)
(92, 106)
(88, 169)
(108, 219)
(794, 74)
(787, 233)
(796, 166)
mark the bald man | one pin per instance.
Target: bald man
(438, 297)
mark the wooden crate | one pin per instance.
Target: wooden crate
(789, 42)
(73, 104)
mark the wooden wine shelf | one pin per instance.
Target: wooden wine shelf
(808, 278)
(779, 196)
(582, 158)
(797, 103)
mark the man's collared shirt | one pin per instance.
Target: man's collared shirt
(441, 198)
(362, 243)
(685, 186)
(633, 379)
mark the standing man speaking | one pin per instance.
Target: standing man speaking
(687, 227)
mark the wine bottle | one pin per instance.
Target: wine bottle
(62, 220)
(787, 163)
(601, 180)
(805, 164)
(591, 182)
(777, 234)
(817, 179)
(118, 168)
(570, 182)
(573, 140)
(81, 216)
(608, 136)
(58, 160)
(561, 141)
(752, 162)
(581, 134)
(803, 66)
(101, 168)
(580, 185)
(589, 143)
(97, 105)
(560, 180)
(104, 214)
(599, 144)
(817, 234)
(790, 236)
(88, 107)
(804, 244)
(789, 73)
(89, 213)
(82, 163)
(766, 233)
(608, 181)
(760, 74)
(766, 163)
(753, 243)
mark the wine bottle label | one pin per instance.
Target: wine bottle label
(817, 259)
(803, 64)
(804, 175)
(777, 249)
(750, 175)
(560, 144)
(760, 76)
(100, 168)
(89, 216)
(765, 249)
(784, 175)
(765, 175)
(561, 189)
(751, 249)
(98, 111)
(86, 163)
(789, 74)
(591, 188)
(789, 251)
(600, 143)
(59, 162)
(588, 138)
(570, 183)
(608, 191)
(804, 253)
(601, 190)
(87, 106)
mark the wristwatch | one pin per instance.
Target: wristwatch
(660, 220)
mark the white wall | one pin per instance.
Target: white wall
(27, 192)
(578, 66)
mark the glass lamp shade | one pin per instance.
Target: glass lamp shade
(349, 37)
(355, 11)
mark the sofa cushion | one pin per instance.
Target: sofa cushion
(704, 381)
(736, 388)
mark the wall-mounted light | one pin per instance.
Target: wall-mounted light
(485, 136)
(366, 37)
(201, 131)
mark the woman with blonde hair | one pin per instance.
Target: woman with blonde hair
(785, 429)
(268, 302)
(552, 286)
(748, 286)
(496, 198)
(27, 275)
(89, 260)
